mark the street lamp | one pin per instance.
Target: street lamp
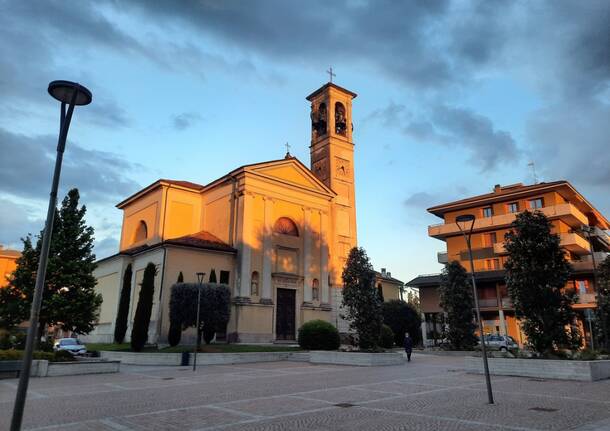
(71, 94)
(200, 276)
(465, 218)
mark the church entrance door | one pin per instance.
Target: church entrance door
(285, 318)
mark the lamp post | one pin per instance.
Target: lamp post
(200, 276)
(465, 218)
(70, 94)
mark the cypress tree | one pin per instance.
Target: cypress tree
(180, 278)
(120, 327)
(213, 276)
(141, 320)
(536, 275)
(456, 298)
(361, 301)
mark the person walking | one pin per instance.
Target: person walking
(408, 346)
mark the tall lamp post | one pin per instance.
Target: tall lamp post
(200, 276)
(70, 94)
(465, 218)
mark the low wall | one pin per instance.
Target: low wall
(356, 358)
(82, 367)
(542, 368)
(143, 358)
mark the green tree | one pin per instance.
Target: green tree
(413, 299)
(456, 298)
(180, 278)
(361, 303)
(402, 317)
(69, 298)
(141, 320)
(602, 317)
(120, 327)
(536, 275)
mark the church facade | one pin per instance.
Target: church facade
(277, 232)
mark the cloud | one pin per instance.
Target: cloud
(185, 120)
(421, 200)
(106, 247)
(99, 175)
(17, 221)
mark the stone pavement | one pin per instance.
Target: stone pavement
(430, 393)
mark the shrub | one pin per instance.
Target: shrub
(5, 339)
(16, 355)
(62, 356)
(45, 346)
(402, 317)
(318, 335)
(141, 320)
(386, 339)
(120, 327)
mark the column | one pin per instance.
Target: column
(502, 322)
(307, 291)
(267, 252)
(424, 331)
(324, 297)
(245, 244)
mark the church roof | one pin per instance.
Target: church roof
(202, 239)
(330, 84)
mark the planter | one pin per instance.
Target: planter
(82, 367)
(143, 358)
(361, 359)
(542, 368)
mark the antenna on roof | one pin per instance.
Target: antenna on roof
(533, 166)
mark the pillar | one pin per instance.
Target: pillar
(267, 251)
(503, 330)
(245, 244)
(325, 293)
(424, 331)
(307, 290)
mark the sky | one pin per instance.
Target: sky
(453, 98)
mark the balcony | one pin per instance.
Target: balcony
(586, 262)
(566, 212)
(442, 257)
(507, 302)
(570, 241)
(586, 298)
(485, 303)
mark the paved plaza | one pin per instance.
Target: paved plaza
(430, 393)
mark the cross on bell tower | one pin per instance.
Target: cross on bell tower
(331, 74)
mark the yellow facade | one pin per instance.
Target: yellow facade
(280, 229)
(8, 264)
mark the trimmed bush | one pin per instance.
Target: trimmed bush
(62, 356)
(318, 335)
(120, 327)
(141, 320)
(386, 339)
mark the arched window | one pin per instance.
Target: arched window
(285, 226)
(315, 289)
(254, 284)
(141, 232)
(340, 119)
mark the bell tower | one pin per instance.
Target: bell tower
(332, 162)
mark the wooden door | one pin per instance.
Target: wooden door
(285, 314)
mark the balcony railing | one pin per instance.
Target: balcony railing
(586, 261)
(586, 298)
(570, 241)
(493, 302)
(567, 212)
(507, 303)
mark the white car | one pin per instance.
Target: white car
(503, 343)
(71, 345)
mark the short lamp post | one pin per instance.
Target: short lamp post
(465, 218)
(70, 94)
(200, 276)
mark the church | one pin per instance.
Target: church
(278, 233)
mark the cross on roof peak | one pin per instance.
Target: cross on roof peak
(330, 74)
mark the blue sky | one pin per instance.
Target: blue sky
(453, 97)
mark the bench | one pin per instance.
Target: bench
(10, 367)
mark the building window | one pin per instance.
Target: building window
(285, 226)
(582, 287)
(224, 277)
(536, 203)
(254, 284)
(513, 207)
(490, 239)
(315, 289)
(141, 232)
(492, 264)
(488, 212)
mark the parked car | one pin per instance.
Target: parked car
(71, 345)
(503, 343)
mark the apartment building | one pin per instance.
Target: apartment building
(581, 227)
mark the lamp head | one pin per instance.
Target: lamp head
(464, 218)
(200, 276)
(64, 91)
